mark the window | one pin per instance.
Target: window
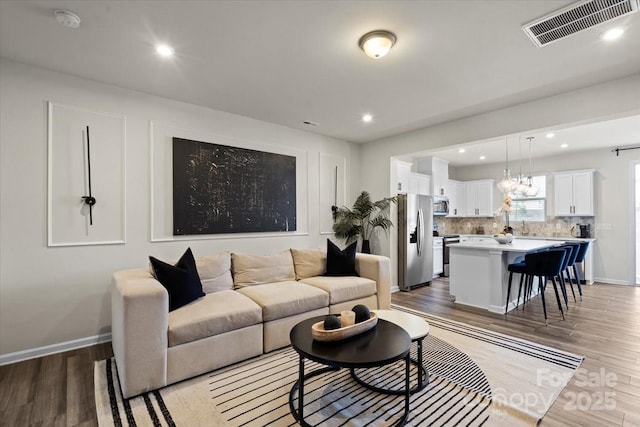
(525, 208)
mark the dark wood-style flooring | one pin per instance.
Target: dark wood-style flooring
(604, 327)
(57, 390)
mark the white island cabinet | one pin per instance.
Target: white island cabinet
(478, 271)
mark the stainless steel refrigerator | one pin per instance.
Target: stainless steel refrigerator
(415, 240)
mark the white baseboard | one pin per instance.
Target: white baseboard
(19, 356)
(611, 281)
(395, 288)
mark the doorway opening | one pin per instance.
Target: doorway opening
(637, 222)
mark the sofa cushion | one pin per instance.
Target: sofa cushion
(309, 262)
(250, 270)
(344, 288)
(341, 262)
(282, 299)
(214, 314)
(215, 272)
(181, 281)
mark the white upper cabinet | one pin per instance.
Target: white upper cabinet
(457, 199)
(419, 184)
(479, 198)
(439, 171)
(573, 193)
(403, 174)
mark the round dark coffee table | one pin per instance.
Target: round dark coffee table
(380, 346)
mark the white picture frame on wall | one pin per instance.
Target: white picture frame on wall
(332, 183)
(161, 136)
(69, 164)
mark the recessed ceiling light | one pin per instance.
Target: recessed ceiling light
(462, 150)
(565, 145)
(483, 157)
(367, 118)
(164, 50)
(67, 18)
(550, 135)
(613, 34)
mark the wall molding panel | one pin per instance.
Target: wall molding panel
(74, 170)
(161, 185)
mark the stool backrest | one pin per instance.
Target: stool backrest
(583, 251)
(571, 255)
(547, 263)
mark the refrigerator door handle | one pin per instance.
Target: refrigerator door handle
(420, 231)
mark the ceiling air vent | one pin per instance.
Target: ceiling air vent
(577, 17)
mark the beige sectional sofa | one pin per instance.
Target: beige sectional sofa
(250, 305)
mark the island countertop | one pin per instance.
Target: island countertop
(517, 245)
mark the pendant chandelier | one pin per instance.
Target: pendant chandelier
(506, 184)
(531, 190)
(521, 186)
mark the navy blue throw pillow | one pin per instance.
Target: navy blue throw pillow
(341, 262)
(181, 281)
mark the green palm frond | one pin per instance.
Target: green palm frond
(364, 219)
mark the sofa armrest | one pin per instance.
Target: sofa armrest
(139, 329)
(378, 269)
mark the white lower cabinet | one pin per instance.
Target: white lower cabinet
(438, 253)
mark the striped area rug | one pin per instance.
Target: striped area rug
(477, 377)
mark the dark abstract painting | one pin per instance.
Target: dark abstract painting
(222, 189)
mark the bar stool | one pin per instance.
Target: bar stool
(546, 264)
(582, 252)
(565, 264)
(571, 264)
(519, 266)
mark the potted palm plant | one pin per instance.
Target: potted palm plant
(363, 220)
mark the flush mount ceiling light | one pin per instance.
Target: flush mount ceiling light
(377, 44)
(367, 118)
(67, 18)
(164, 50)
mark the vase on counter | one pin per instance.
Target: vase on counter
(507, 227)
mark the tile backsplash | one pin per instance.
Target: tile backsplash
(553, 227)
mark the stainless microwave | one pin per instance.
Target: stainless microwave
(440, 205)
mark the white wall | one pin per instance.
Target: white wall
(50, 296)
(607, 100)
(612, 187)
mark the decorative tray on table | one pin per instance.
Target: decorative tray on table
(318, 332)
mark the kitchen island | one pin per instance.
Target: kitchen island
(479, 275)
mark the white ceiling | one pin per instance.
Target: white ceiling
(605, 135)
(289, 61)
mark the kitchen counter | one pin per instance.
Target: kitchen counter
(562, 238)
(478, 271)
(517, 245)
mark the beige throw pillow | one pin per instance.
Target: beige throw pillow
(215, 272)
(251, 270)
(309, 262)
